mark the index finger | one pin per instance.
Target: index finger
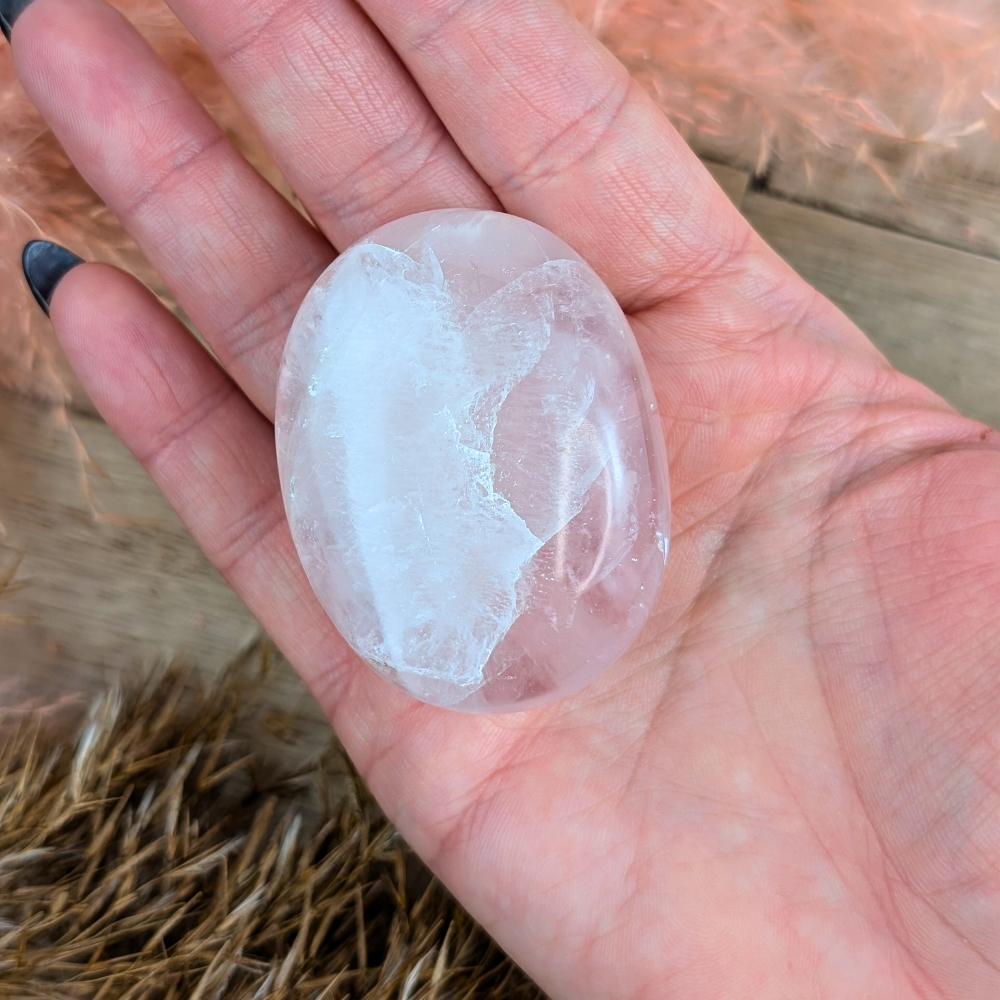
(554, 124)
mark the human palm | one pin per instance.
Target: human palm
(790, 786)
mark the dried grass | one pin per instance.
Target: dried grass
(796, 79)
(158, 852)
(802, 80)
(42, 195)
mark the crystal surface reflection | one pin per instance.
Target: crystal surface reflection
(471, 460)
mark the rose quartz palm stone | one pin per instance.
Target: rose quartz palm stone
(472, 462)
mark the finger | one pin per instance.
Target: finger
(205, 446)
(556, 127)
(349, 128)
(237, 256)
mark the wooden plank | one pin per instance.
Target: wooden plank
(933, 310)
(732, 181)
(32, 363)
(948, 196)
(962, 212)
(743, 154)
(97, 597)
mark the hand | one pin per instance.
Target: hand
(790, 786)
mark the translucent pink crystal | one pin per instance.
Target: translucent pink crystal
(472, 462)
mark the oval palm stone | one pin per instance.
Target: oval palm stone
(471, 460)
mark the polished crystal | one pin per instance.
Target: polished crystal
(472, 462)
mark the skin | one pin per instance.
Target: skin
(789, 788)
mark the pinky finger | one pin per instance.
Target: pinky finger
(207, 448)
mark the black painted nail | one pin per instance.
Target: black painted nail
(45, 264)
(9, 11)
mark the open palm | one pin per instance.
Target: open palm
(790, 786)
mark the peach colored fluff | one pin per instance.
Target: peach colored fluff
(749, 79)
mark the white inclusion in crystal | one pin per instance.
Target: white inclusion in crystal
(558, 451)
(662, 543)
(411, 394)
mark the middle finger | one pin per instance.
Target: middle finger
(345, 121)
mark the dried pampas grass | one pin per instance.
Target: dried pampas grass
(796, 78)
(158, 852)
(42, 195)
(756, 79)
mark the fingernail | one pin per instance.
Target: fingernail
(45, 264)
(9, 12)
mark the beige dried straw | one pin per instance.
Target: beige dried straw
(156, 853)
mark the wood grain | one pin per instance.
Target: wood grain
(733, 182)
(958, 211)
(944, 196)
(933, 310)
(100, 593)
